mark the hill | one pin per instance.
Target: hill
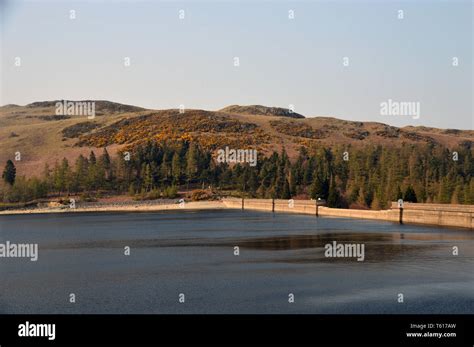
(42, 136)
(261, 111)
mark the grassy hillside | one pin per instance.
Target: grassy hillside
(42, 137)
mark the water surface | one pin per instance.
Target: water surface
(192, 252)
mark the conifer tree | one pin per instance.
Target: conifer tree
(176, 168)
(9, 173)
(410, 195)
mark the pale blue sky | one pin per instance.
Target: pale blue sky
(282, 61)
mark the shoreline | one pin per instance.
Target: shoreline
(422, 214)
(194, 205)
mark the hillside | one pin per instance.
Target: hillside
(259, 110)
(42, 136)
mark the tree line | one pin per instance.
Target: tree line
(367, 177)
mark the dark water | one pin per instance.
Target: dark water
(192, 252)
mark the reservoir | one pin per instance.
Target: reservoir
(232, 261)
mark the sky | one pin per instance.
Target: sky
(282, 61)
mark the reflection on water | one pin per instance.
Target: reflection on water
(193, 251)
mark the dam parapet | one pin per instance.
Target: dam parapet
(428, 214)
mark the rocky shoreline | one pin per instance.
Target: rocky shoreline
(127, 207)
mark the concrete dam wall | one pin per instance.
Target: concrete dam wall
(430, 214)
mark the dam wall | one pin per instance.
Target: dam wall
(429, 214)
